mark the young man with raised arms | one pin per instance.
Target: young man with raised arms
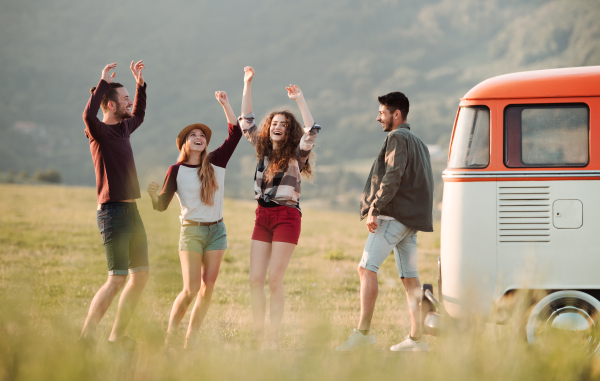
(397, 202)
(117, 185)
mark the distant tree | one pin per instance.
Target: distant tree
(10, 178)
(23, 176)
(50, 175)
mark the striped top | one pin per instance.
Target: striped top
(284, 187)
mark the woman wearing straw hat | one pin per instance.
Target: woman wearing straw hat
(198, 180)
(283, 149)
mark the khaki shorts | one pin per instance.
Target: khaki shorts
(203, 238)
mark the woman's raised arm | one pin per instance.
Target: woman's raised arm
(247, 118)
(295, 93)
(247, 94)
(224, 101)
(220, 157)
(311, 129)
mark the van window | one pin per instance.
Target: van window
(471, 142)
(546, 135)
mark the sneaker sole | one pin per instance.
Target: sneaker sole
(410, 350)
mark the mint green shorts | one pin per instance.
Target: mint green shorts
(203, 238)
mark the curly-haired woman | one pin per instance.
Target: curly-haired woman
(198, 180)
(282, 149)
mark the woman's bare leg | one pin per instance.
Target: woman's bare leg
(211, 262)
(260, 255)
(191, 271)
(281, 253)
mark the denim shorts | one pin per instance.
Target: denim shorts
(392, 235)
(124, 238)
(203, 238)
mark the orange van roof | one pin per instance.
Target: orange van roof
(553, 83)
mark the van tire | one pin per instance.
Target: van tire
(566, 311)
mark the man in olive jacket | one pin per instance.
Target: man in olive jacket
(397, 202)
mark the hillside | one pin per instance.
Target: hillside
(341, 53)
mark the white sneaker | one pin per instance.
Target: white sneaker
(356, 340)
(409, 345)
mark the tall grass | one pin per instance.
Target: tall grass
(52, 262)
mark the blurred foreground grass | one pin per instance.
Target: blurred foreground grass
(52, 262)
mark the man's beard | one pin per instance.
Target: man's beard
(388, 126)
(122, 113)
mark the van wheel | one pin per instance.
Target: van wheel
(566, 318)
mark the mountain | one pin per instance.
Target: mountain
(343, 54)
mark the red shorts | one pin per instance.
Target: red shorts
(279, 224)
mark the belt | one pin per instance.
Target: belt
(194, 223)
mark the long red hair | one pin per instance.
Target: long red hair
(279, 159)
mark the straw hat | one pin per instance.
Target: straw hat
(186, 130)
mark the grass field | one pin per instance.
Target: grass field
(52, 262)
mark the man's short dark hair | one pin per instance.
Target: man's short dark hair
(110, 96)
(395, 101)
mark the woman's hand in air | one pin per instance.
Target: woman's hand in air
(294, 92)
(222, 97)
(248, 73)
(152, 187)
(224, 101)
(105, 72)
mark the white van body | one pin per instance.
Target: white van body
(521, 202)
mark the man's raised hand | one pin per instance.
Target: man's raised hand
(137, 70)
(222, 97)
(294, 92)
(105, 72)
(248, 74)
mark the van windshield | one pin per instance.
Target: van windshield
(471, 143)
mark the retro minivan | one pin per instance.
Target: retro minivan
(521, 201)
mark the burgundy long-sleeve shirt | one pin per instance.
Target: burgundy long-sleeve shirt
(116, 176)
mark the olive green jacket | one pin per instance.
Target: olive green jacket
(400, 184)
